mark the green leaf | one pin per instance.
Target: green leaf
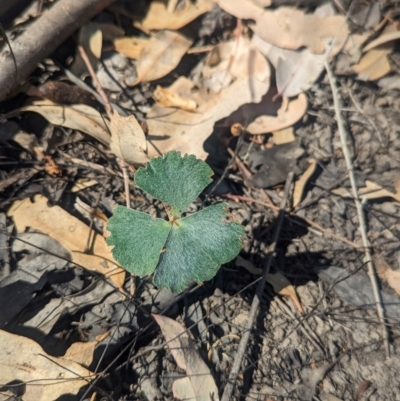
(138, 239)
(197, 246)
(182, 250)
(175, 180)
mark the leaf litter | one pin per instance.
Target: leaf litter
(217, 90)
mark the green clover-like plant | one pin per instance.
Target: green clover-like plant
(183, 249)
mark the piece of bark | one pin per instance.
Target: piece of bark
(42, 37)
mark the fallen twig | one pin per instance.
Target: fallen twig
(359, 207)
(227, 395)
(42, 37)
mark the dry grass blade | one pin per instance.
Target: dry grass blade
(360, 212)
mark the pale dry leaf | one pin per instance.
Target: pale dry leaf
(291, 28)
(167, 98)
(296, 70)
(70, 232)
(186, 132)
(128, 141)
(158, 17)
(374, 64)
(130, 46)
(386, 273)
(110, 31)
(201, 382)
(290, 112)
(161, 55)
(83, 183)
(44, 377)
(80, 117)
(370, 191)
(279, 282)
(301, 183)
(284, 135)
(387, 36)
(91, 38)
(82, 353)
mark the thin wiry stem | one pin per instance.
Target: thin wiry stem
(360, 211)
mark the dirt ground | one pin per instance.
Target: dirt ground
(321, 337)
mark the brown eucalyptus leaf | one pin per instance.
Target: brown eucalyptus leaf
(128, 141)
(290, 28)
(200, 382)
(167, 98)
(290, 112)
(43, 376)
(80, 117)
(70, 232)
(159, 17)
(301, 183)
(161, 55)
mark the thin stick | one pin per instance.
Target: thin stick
(227, 395)
(360, 212)
(96, 82)
(109, 112)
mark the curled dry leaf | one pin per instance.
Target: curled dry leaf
(82, 353)
(80, 117)
(290, 112)
(128, 141)
(186, 132)
(43, 377)
(290, 28)
(158, 17)
(279, 282)
(199, 384)
(301, 183)
(374, 64)
(370, 191)
(161, 55)
(130, 46)
(70, 232)
(167, 98)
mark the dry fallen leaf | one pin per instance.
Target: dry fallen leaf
(43, 377)
(83, 183)
(70, 232)
(161, 55)
(80, 117)
(370, 191)
(296, 70)
(301, 183)
(374, 64)
(82, 353)
(290, 112)
(279, 283)
(186, 132)
(386, 273)
(167, 98)
(91, 39)
(199, 383)
(130, 46)
(284, 135)
(158, 17)
(128, 141)
(389, 35)
(290, 28)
